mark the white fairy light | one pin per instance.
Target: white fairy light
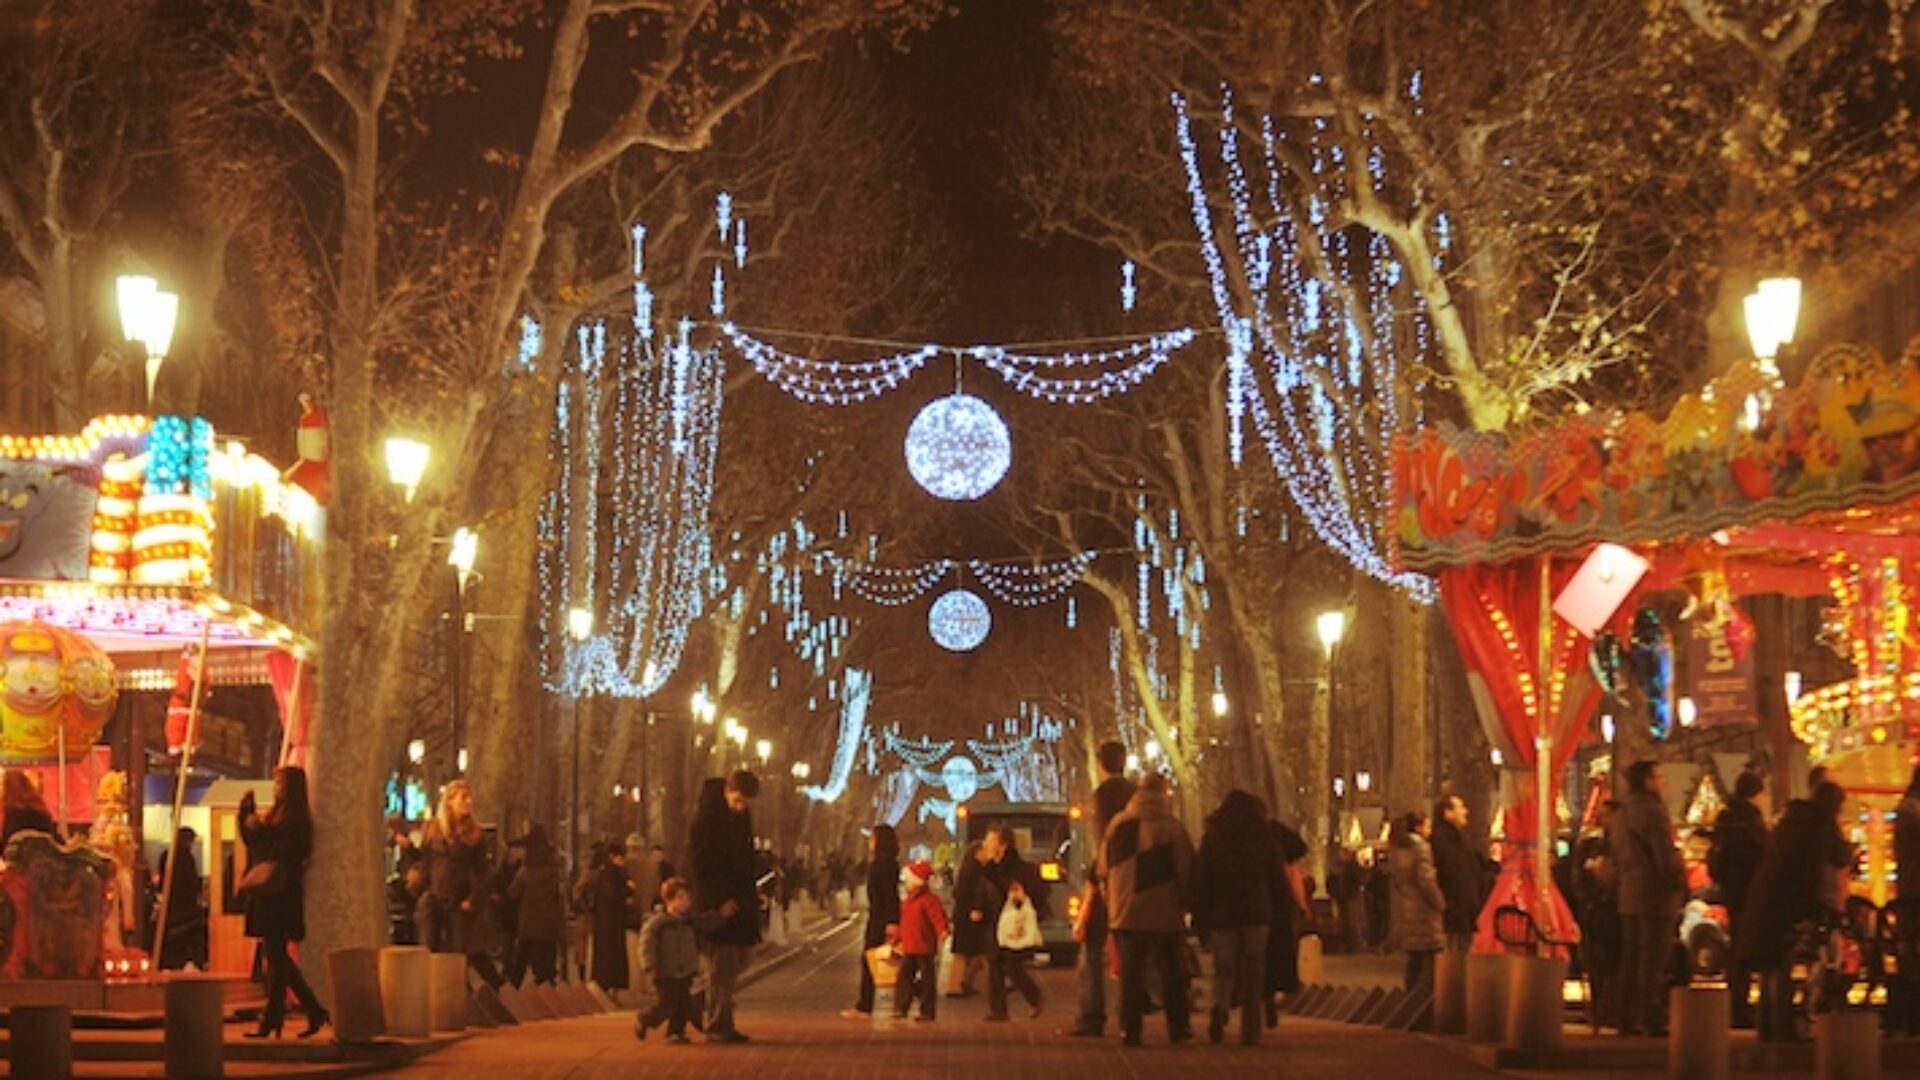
(740, 245)
(827, 382)
(723, 213)
(959, 621)
(1032, 586)
(958, 447)
(1127, 291)
(531, 341)
(719, 305)
(853, 734)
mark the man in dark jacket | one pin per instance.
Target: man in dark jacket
(1458, 870)
(1008, 878)
(1109, 799)
(723, 868)
(1739, 841)
(1652, 884)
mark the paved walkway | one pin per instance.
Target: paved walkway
(792, 1015)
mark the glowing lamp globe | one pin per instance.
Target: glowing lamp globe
(959, 621)
(958, 448)
(51, 679)
(961, 777)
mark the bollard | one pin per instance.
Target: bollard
(42, 1041)
(1847, 1045)
(1486, 997)
(359, 1014)
(447, 991)
(195, 1027)
(1697, 1033)
(406, 983)
(1450, 993)
(1536, 1004)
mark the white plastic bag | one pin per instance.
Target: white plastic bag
(1019, 926)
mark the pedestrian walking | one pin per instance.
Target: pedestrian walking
(1009, 882)
(883, 910)
(1458, 871)
(1652, 884)
(670, 952)
(279, 845)
(1147, 864)
(1091, 931)
(454, 913)
(539, 909)
(1799, 879)
(1292, 909)
(1419, 907)
(723, 881)
(923, 928)
(1739, 843)
(972, 934)
(1234, 879)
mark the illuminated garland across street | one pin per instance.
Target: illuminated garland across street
(853, 734)
(1076, 377)
(1330, 345)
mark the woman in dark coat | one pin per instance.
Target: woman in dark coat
(613, 915)
(1290, 918)
(1234, 878)
(276, 912)
(539, 909)
(971, 938)
(455, 912)
(1799, 878)
(883, 910)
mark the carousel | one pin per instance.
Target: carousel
(1578, 560)
(145, 565)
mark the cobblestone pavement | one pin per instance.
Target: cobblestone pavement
(793, 1017)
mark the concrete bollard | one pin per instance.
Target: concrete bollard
(195, 1027)
(406, 990)
(447, 993)
(1536, 1005)
(1846, 1045)
(1697, 1033)
(1486, 997)
(1450, 993)
(359, 1011)
(41, 1041)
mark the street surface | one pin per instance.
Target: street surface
(793, 1016)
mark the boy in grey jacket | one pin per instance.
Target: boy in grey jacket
(670, 949)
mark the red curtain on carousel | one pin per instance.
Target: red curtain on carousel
(1495, 615)
(296, 708)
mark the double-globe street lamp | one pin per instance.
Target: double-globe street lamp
(148, 315)
(1330, 627)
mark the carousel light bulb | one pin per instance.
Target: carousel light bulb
(959, 621)
(958, 448)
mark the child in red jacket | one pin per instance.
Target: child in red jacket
(923, 926)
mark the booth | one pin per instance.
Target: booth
(145, 564)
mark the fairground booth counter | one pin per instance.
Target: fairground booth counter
(157, 588)
(1624, 556)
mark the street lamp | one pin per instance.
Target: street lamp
(801, 770)
(1331, 626)
(147, 315)
(1363, 781)
(463, 552)
(407, 462)
(1773, 312)
(764, 751)
(417, 751)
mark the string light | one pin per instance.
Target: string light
(958, 447)
(827, 382)
(853, 733)
(1141, 359)
(1127, 291)
(1333, 373)
(1032, 586)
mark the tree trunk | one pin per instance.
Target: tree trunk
(1314, 824)
(1407, 783)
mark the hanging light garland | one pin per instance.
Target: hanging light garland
(1331, 368)
(1023, 371)
(958, 448)
(1032, 586)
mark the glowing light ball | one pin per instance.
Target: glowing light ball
(958, 447)
(961, 777)
(51, 678)
(959, 621)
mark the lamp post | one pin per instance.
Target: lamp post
(1330, 626)
(147, 315)
(407, 463)
(463, 552)
(1773, 313)
(579, 628)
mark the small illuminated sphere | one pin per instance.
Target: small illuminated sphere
(959, 621)
(958, 447)
(961, 777)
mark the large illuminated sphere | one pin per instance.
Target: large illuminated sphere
(961, 777)
(958, 447)
(51, 678)
(959, 621)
